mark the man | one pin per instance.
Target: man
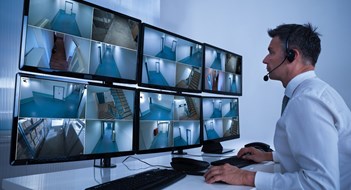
(313, 135)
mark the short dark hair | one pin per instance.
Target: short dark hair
(302, 37)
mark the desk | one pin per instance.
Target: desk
(86, 177)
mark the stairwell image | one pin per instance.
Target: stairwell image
(188, 77)
(110, 103)
(231, 126)
(186, 108)
(109, 116)
(222, 127)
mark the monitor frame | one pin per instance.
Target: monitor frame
(173, 149)
(90, 47)
(105, 156)
(222, 73)
(178, 85)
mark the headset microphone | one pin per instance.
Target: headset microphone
(266, 77)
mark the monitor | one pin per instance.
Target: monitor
(222, 71)
(168, 122)
(169, 61)
(220, 122)
(78, 39)
(64, 119)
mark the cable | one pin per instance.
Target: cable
(149, 165)
(213, 156)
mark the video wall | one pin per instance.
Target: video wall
(95, 83)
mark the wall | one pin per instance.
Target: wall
(241, 27)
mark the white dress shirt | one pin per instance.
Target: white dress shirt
(312, 139)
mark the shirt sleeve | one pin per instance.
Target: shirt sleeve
(312, 141)
(264, 180)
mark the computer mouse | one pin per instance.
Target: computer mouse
(188, 164)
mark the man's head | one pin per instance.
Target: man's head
(301, 37)
(293, 49)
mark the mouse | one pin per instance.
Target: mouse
(189, 165)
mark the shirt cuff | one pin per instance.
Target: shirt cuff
(264, 180)
(275, 157)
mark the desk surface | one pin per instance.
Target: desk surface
(86, 177)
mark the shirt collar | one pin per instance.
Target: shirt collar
(296, 81)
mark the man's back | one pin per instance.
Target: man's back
(333, 111)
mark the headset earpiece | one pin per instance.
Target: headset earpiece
(290, 55)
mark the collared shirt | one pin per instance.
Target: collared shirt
(312, 139)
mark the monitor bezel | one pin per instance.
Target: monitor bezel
(173, 149)
(221, 139)
(87, 76)
(141, 55)
(204, 70)
(14, 131)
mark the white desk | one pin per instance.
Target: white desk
(86, 177)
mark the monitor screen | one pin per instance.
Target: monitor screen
(79, 39)
(222, 71)
(221, 118)
(169, 61)
(168, 122)
(62, 119)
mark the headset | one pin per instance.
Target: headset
(290, 54)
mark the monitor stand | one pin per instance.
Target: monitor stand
(178, 152)
(105, 163)
(214, 147)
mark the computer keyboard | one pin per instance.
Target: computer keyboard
(234, 160)
(150, 179)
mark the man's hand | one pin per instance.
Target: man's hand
(251, 153)
(230, 174)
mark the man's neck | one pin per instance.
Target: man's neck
(296, 72)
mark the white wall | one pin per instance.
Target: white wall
(241, 27)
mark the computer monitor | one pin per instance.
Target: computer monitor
(220, 122)
(168, 122)
(64, 119)
(169, 61)
(222, 71)
(78, 39)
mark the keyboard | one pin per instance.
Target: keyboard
(234, 160)
(150, 179)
